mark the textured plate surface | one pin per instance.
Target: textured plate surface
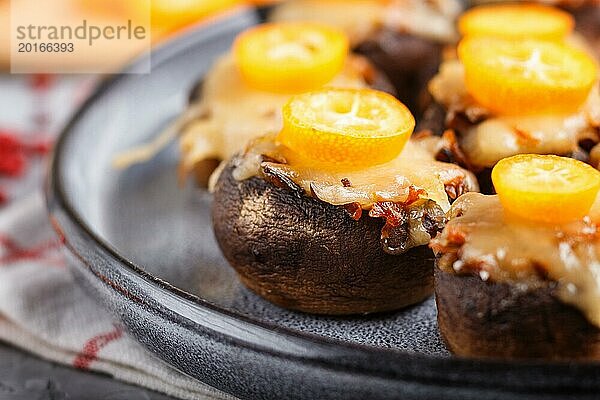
(135, 236)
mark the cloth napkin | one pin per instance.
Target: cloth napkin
(42, 310)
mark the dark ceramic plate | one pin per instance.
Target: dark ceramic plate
(144, 247)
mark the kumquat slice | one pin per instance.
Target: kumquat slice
(346, 127)
(517, 21)
(526, 77)
(290, 57)
(546, 188)
(173, 14)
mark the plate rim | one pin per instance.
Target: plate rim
(419, 365)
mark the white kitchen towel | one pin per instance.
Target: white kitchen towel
(42, 310)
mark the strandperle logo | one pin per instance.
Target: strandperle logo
(84, 31)
(50, 39)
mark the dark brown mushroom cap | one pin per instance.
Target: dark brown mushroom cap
(587, 18)
(409, 61)
(304, 254)
(480, 318)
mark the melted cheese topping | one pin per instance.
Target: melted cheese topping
(432, 19)
(233, 113)
(415, 166)
(496, 137)
(516, 251)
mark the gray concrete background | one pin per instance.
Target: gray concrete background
(25, 377)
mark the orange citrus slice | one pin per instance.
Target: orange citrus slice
(517, 21)
(290, 57)
(526, 77)
(546, 188)
(346, 127)
(174, 14)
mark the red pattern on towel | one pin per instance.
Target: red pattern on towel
(13, 252)
(14, 150)
(14, 154)
(92, 347)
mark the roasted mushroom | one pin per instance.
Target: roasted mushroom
(505, 97)
(332, 216)
(517, 274)
(305, 254)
